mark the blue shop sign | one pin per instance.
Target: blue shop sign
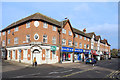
(67, 49)
(79, 50)
(86, 51)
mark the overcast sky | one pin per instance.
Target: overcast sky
(98, 17)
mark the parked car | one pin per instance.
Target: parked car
(90, 61)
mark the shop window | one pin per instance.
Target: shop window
(25, 53)
(13, 54)
(3, 33)
(54, 28)
(64, 31)
(76, 35)
(3, 43)
(15, 40)
(47, 53)
(69, 43)
(66, 57)
(27, 38)
(8, 31)
(44, 38)
(8, 41)
(84, 46)
(76, 44)
(16, 29)
(27, 24)
(80, 45)
(63, 42)
(54, 40)
(70, 33)
(45, 25)
(36, 36)
(53, 54)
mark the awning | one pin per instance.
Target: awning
(93, 52)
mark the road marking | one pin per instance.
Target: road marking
(60, 72)
(26, 75)
(111, 75)
(77, 72)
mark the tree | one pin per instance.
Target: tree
(114, 52)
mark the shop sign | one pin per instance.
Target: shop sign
(67, 49)
(79, 50)
(86, 51)
(53, 48)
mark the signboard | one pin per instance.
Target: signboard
(53, 48)
(86, 51)
(79, 50)
(67, 49)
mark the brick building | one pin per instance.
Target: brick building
(49, 40)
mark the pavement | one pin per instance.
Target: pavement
(103, 69)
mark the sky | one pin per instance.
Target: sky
(98, 17)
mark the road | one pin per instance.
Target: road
(103, 69)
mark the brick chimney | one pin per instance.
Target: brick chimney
(84, 30)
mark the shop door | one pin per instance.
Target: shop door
(37, 55)
(47, 56)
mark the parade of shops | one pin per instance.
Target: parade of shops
(50, 42)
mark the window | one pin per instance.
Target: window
(3, 43)
(16, 29)
(36, 36)
(80, 36)
(76, 35)
(76, 44)
(25, 53)
(8, 31)
(87, 46)
(45, 25)
(88, 39)
(16, 40)
(36, 23)
(27, 24)
(63, 42)
(64, 31)
(80, 45)
(54, 40)
(8, 41)
(3, 33)
(84, 38)
(44, 38)
(70, 33)
(54, 28)
(84, 46)
(47, 53)
(0, 33)
(69, 43)
(27, 38)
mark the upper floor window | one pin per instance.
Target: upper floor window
(54, 40)
(8, 41)
(76, 35)
(80, 45)
(76, 44)
(69, 43)
(3, 33)
(84, 46)
(27, 38)
(0, 33)
(16, 29)
(36, 23)
(15, 40)
(63, 42)
(27, 24)
(84, 38)
(64, 31)
(88, 39)
(54, 28)
(36, 36)
(3, 43)
(8, 31)
(45, 25)
(87, 46)
(80, 36)
(44, 38)
(70, 33)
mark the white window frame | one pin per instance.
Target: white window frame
(8, 41)
(3, 43)
(0, 33)
(84, 38)
(64, 31)
(16, 29)
(84, 46)
(63, 41)
(45, 38)
(54, 40)
(80, 45)
(70, 33)
(45, 25)
(47, 53)
(37, 36)
(3, 33)
(8, 31)
(16, 40)
(87, 46)
(28, 38)
(69, 43)
(76, 35)
(76, 44)
(80, 36)
(54, 28)
(28, 25)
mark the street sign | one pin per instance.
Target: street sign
(53, 48)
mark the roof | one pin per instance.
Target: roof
(97, 37)
(36, 16)
(80, 32)
(91, 34)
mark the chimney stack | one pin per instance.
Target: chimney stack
(84, 30)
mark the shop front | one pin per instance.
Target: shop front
(67, 53)
(78, 55)
(94, 54)
(86, 54)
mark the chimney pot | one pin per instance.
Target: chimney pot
(84, 30)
